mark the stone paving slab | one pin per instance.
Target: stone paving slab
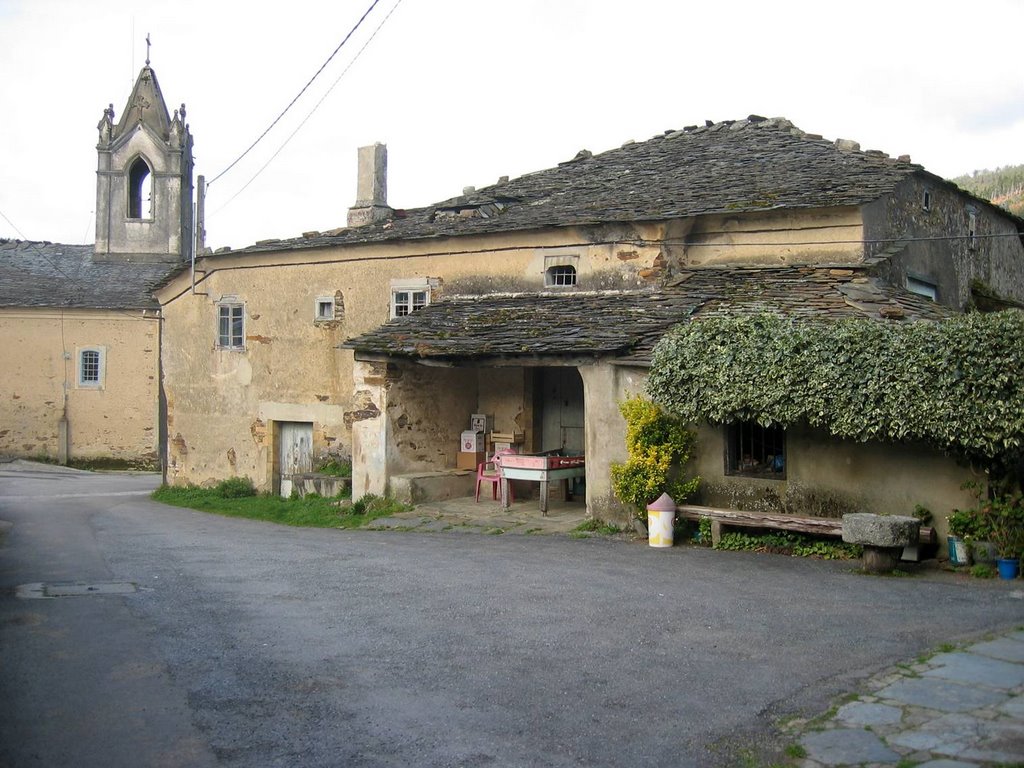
(940, 694)
(1005, 648)
(847, 747)
(974, 668)
(865, 713)
(958, 709)
(965, 736)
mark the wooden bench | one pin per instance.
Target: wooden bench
(819, 526)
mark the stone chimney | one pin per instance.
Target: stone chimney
(372, 187)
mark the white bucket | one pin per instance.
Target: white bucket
(660, 527)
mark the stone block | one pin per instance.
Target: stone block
(880, 530)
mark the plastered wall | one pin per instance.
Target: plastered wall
(827, 477)
(118, 419)
(774, 238)
(221, 403)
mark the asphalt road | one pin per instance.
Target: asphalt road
(249, 644)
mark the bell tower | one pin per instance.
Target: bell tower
(144, 180)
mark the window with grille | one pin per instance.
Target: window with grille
(563, 274)
(231, 325)
(755, 451)
(90, 367)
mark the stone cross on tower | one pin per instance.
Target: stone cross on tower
(147, 49)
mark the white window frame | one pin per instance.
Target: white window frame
(972, 228)
(410, 294)
(101, 367)
(556, 266)
(230, 304)
(323, 302)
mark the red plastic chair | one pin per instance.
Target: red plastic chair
(490, 472)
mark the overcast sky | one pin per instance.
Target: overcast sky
(465, 91)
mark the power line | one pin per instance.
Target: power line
(13, 225)
(310, 114)
(304, 88)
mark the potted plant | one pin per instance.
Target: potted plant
(1007, 514)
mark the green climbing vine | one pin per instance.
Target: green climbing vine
(659, 445)
(957, 384)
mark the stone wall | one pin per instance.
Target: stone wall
(937, 247)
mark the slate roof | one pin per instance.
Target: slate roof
(41, 274)
(729, 167)
(627, 324)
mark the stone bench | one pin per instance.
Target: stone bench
(818, 526)
(882, 536)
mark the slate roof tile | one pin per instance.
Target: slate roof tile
(731, 167)
(41, 274)
(627, 324)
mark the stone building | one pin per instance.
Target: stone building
(538, 300)
(79, 325)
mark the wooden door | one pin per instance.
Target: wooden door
(562, 411)
(295, 451)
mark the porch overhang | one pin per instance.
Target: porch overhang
(572, 328)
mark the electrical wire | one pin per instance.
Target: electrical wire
(304, 88)
(13, 226)
(309, 115)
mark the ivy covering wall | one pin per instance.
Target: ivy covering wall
(957, 384)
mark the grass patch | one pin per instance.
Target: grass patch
(336, 468)
(593, 525)
(784, 543)
(230, 499)
(796, 751)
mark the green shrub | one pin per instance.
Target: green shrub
(377, 506)
(794, 544)
(657, 444)
(336, 468)
(235, 488)
(982, 571)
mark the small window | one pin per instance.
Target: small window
(926, 201)
(91, 366)
(563, 274)
(755, 451)
(140, 191)
(406, 302)
(561, 269)
(409, 295)
(923, 288)
(231, 325)
(972, 229)
(325, 308)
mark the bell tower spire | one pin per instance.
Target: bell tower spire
(144, 178)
